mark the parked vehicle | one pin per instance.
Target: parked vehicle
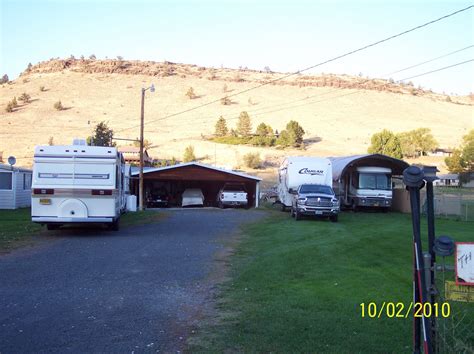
(296, 171)
(232, 194)
(314, 200)
(78, 184)
(192, 197)
(158, 199)
(366, 187)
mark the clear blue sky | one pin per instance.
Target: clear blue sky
(284, 35)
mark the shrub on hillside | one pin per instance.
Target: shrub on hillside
(25, 97)
(252, 160)
(9, 107)
(58, 106)
(42, 88)
(225, 101)
(191, 93)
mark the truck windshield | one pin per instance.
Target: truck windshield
(314, 188)
(374, 181)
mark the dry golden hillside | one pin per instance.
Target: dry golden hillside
(339, 113)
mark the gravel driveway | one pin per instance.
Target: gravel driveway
(138, 289)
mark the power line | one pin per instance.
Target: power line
(310, 67)
(429, 61)
(440, 69)
(350, 93)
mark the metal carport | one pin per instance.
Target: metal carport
(175, 179)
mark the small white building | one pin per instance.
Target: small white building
(450, 179)
(15, 187)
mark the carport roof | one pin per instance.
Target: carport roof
(340, 164)
(136, 172)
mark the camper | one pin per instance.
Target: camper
(78, 184)
(366, 187)
(365, 181)
(296, 171)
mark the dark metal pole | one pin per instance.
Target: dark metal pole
(430, 177)
(142, 123)
(413, 179)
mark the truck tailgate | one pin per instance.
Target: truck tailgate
(234, 196)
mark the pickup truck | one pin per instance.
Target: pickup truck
(314, 200)
(232, 195)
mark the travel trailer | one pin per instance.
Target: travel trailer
(296, 171)
(78, 184)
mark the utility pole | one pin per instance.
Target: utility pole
(142, 127)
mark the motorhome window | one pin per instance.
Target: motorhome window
(374, 181)
(308, 188)
(75, 175)
(26, 181)
(5, 180)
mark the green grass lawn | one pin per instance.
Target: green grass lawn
(16, 228)
(297, 286)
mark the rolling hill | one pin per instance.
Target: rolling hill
(339, 113)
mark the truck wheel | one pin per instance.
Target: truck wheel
(283, 207)
(353, 206)
(51, 227)
(297, 215)
(334, 218)
(115, 225)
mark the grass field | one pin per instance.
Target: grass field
(16, 228)
(298, 286)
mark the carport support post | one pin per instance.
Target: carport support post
(142, 123)
(257, 194)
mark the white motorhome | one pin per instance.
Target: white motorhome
(296, 171)
(368, 186)
(78, 184)
(365, 181)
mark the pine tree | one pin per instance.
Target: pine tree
(221, 127)
(189, 154)
(103, 136)
(295, 132)
(244, 125)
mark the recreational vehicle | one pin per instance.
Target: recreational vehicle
(78, 184)
(296, 171)
(365, 181)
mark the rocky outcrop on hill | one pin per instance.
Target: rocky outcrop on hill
(165, 69)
